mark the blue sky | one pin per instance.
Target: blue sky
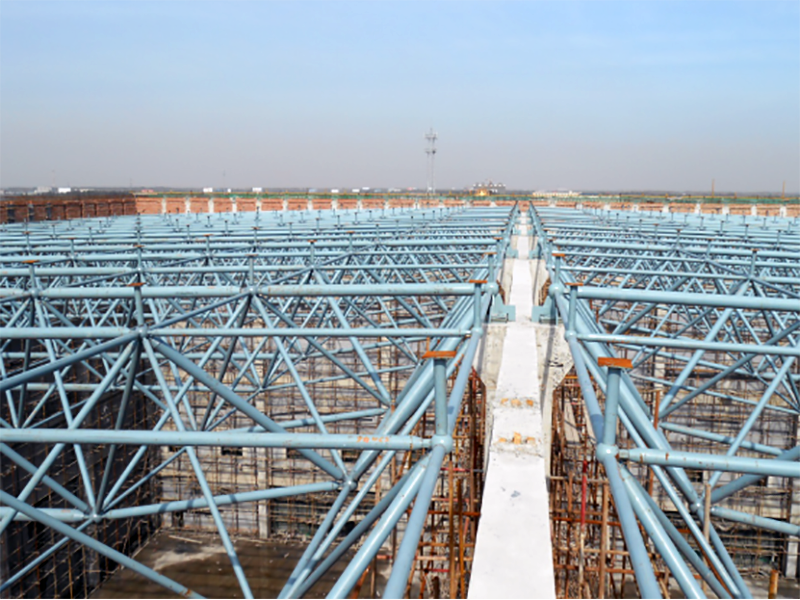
(580, 95)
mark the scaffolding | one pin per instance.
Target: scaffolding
(590, 558)
(443, 562)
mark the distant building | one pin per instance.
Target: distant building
(64, 190)
(208, 190)
(555, 194)
(487, 188)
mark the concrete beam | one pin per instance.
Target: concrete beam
(513, 552)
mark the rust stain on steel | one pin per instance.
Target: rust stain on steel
(373, 438)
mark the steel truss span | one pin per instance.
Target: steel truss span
(129, 345)
(684, 332)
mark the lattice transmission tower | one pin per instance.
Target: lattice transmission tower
(430, 150)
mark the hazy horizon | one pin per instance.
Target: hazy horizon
(538, 95)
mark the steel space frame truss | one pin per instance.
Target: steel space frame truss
(229, 308)
(716, 298)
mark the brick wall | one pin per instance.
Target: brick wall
(20, 209)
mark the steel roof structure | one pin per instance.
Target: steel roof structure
(232, 308)
(718, 296)
(94, 312)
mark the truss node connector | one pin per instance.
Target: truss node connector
(445, 441)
